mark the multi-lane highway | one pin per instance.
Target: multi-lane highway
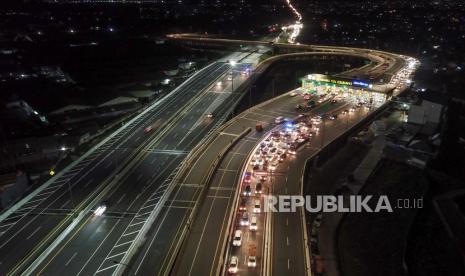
(179, 121)
(99, 245)
(132, 171)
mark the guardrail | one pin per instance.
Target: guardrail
(203, 193)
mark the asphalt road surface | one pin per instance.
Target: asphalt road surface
(27, 227)
(203, 250)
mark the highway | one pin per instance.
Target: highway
(201, 255)
(96, 246)
(133, 172)
(40, 218)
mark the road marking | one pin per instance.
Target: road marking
(116, 255)
(287, 241)
(121, 198)
(139, 177)
(153, 161)
(32, 234)
(70, 259)
(287, 221)
(106, 268)
(288, 264)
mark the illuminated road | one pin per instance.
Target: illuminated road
(132, 170)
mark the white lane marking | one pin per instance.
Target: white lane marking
(70, 259)
(287, 241)
(287, 221)
(116, 255)
(64, 204)
(121, 198)
(106, 268)
(288, 264)
(32, 234)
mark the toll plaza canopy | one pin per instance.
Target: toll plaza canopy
(353, 89)
(319, 83)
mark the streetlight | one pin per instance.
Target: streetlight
(232, 63)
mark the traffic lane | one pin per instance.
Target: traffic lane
(288, 250)
(21, 245)
(184, 194)
(212, 219)
(141, 178)
(75, 257)
(96, 251)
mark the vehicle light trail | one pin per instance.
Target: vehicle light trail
(296, 27)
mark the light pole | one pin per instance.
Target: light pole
(232, 63)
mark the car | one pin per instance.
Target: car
(253, 223)
(210, 115)
(352, 109)
(258, 188)
(243, 204)
(282, 157)
(263, 178)
(244, 219)
(333, 117)
(237, 240)
(279, 120)
(247, 177)
(333, 101)
(252, 261)
(230, 78)
(233, 264)
(298, 107)
(148, 129)
(273, 166)
(219, 83)
(292, 94)
(345, 111)
(256, 207)
(311, 104)
(100, 209)
(247, 191)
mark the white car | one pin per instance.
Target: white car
(252, 262)
(256, 207)
(279, 119)
(233, 264)
(245, 219)
(237, 240)
(100, 210)
(292, 94)
(253, 224)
